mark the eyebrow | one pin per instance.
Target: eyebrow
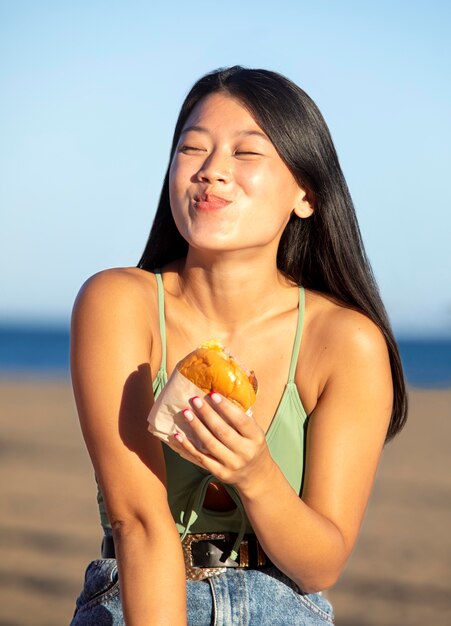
(246, 133)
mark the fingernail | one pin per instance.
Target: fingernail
(215, 397)
(197, 402)
(188, 415)
(178, 436)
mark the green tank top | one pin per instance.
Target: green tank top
(187, 483)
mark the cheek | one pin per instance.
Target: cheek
(272, 193)
(174, 174)
(255, 182)
(177, 186)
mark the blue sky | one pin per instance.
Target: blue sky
(90, 93)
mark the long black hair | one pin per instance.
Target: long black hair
(324, 252)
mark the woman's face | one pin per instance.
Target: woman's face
(229, 188)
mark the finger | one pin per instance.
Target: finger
(210, 440)
(188, 451)
(213, 422)
(243, 423)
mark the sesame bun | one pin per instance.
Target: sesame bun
(210, 368)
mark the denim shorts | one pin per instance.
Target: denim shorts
(238, 597)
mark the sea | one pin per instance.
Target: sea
(43, 352)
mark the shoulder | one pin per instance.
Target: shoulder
(343, 342)
(119, 283)
(117, 296)
(342, 328)
(122, 287)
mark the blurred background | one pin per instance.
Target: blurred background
(90, 94)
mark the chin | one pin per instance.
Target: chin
(212, 241)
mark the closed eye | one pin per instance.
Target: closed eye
(246, 153)
(190, 149)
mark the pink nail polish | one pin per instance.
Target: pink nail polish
(197, 402)
(215, 397)
(188, 415)
(178, 436)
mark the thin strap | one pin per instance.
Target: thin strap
(161, 319)
(297, 339)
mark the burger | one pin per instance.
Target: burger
(212, 368)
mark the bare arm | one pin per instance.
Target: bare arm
(111, 372)
(311, 538)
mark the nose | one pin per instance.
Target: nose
(215, 168)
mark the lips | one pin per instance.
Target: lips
(210, 202)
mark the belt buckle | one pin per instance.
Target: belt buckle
(194, 572)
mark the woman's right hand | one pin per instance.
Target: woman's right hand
(112, 362)
(235, 447)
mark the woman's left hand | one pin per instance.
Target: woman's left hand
(236, 447)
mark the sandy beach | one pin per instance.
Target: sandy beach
(398, 575)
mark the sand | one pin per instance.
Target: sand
(398, 575)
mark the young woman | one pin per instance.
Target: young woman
(255, 243)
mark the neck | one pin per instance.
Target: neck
(231, 289)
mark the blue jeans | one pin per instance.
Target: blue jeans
(237, 598)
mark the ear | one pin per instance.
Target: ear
(304, 204)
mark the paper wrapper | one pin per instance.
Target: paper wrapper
(166, 417)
